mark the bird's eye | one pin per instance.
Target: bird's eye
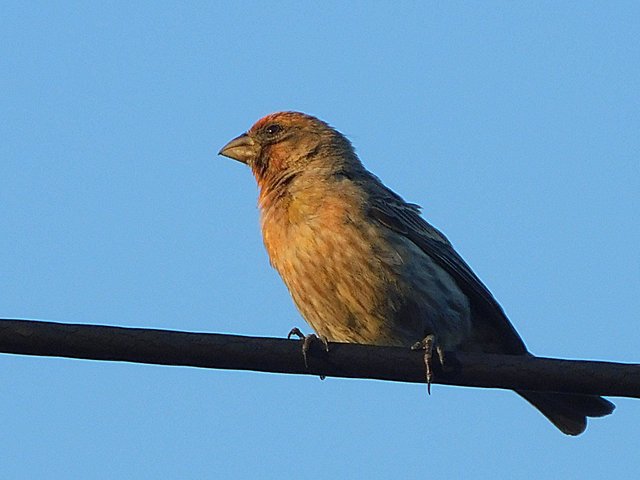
(273, 129)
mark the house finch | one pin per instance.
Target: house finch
(363, 266)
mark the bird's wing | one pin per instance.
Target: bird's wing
(491, 323)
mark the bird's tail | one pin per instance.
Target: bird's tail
(568, 411)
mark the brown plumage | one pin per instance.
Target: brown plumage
(362, 265)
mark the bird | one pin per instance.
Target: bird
(363, 266)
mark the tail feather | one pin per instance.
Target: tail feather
(568, 411)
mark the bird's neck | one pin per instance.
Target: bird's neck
(274, 190)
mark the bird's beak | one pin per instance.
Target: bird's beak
(242, 148)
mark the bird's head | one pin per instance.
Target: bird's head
(285, 144)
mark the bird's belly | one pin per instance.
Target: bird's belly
(368, 286)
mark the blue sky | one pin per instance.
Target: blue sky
(514, 124)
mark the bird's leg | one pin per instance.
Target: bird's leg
(306, 342)
(428, 344)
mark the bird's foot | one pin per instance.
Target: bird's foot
(307, 340)
(428, 344)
